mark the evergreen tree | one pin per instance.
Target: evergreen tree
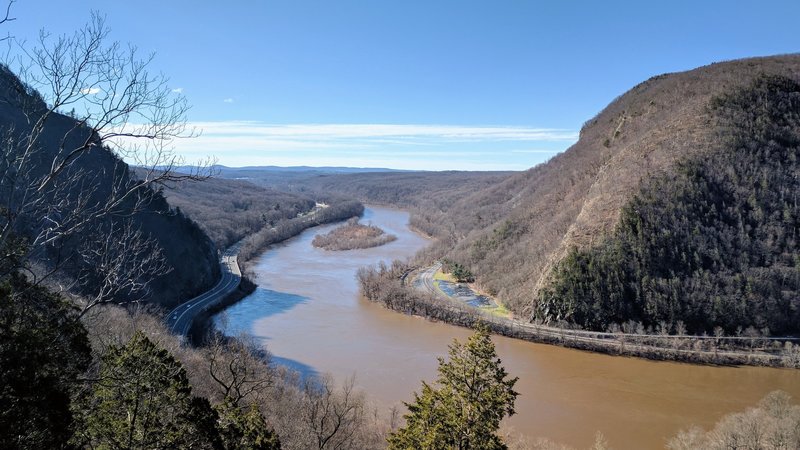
(143, 401)
(463, 411)
(245, 429)
(43, 350)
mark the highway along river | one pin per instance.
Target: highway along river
(308, 313)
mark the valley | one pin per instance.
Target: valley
(308, 312)
(399, 225)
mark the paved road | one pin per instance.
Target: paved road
(180, 319)
(424, 280)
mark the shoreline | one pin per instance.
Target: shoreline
(202, 325)
(688, 349)
(391, 292)
(352, 235)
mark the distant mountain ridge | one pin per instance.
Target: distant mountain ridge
(227, 171)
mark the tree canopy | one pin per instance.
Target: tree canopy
(43, 349)
(244, 429)
(464, 407)
(143, 401)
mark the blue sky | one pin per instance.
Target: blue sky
(414, 84)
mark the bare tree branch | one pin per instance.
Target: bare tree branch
(48, 191)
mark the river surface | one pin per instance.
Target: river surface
(308, 313)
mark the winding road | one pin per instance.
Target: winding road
(180, 319)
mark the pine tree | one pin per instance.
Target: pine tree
(463, 411)
(143, 401)
(43, 350)
(244, 429)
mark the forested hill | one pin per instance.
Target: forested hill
(94, 225)
(229, 210)
(678, 203)
(404, 189)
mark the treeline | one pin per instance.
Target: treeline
(229, 210)
(387, 285)
(714, 244)
(352, 235)
(402, 189)
(256, 243)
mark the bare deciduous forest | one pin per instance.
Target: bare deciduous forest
(229, 210)
(304, 413)
(256, 243)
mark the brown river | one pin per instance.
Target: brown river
(308, 313)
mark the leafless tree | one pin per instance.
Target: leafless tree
(80, 99)
(334, 416)
(7, 17)
(122, 260)
(240, 370)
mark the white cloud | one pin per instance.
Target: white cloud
(408, 133)
(234, 137)
(90, 91)
(228, 100)
(405, 146)
(178, 90)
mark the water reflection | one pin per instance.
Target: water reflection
(304, 370)
(239, 318)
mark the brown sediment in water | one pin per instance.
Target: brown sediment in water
(308, 310)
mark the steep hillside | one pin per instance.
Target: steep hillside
(229, 210)
(713, 243)
(81, 218)
(512, 235)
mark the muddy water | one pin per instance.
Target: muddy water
(308, 313)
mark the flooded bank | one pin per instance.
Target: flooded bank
(308, 313)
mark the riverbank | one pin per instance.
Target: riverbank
(203, 326)
(255, 244)
(308, 312)
(386, 285)
(200, 323)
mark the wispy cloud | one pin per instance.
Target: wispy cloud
(178, 90)
(380, 133)
(376, 145)
(228, 100)
(90, 91)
